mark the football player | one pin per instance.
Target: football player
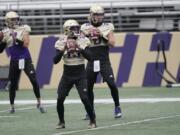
(102, 38)
(72, 46)
(16, 39)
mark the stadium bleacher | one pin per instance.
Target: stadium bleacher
(47, 17)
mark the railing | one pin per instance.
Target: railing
(47, 17)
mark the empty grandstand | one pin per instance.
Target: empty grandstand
(47, 17)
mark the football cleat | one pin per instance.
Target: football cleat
(117, 112)
(41, 108)
(92, 125)
(60, 125)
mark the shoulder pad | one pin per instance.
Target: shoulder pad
(5, 30)
(85, 28)
(111, 26)
(83, 42)
(26, 28)
(85, 25)
(106, 28)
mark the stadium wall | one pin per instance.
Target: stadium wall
(133, 60)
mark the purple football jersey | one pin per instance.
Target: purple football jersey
(18, 52)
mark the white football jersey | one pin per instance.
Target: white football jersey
(105, 29)
(18, 32)
(76, 58)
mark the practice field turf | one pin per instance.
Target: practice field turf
(146, 111)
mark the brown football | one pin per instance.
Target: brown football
(1, 35)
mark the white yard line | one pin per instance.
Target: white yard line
(101, 101)
(9, 116)
(78, 101)
(26, 108)
(116, 125)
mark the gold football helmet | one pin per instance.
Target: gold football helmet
(71, 27)
(11, 19)
(96, 14)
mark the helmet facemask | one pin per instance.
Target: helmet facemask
(12, 22)
(75, 30)
(71, 28)
(97, 18)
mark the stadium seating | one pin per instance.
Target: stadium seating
(47, 17)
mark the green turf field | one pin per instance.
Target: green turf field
(139, 117)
